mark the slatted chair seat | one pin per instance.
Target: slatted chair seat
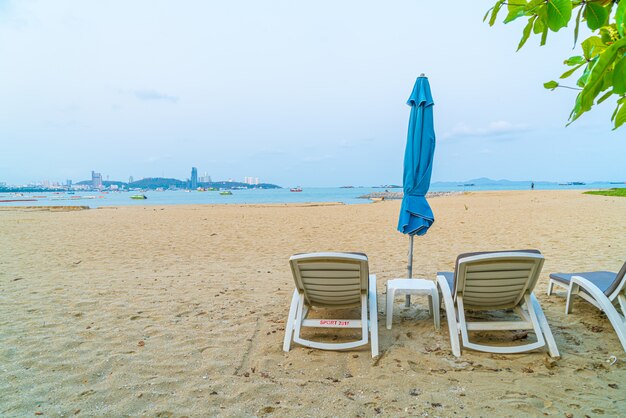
(333, 281)
(490, 281)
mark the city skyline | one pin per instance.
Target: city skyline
(96, 180)
(288, 92)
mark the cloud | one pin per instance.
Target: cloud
(497, 129)
(153, 95)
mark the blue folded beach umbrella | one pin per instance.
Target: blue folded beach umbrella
(416, 216)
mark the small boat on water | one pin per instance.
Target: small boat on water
(139, 196)
(295, 189)
(226, 192)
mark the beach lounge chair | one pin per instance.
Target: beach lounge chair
(334, 281)
(490, 281)
(603, 289)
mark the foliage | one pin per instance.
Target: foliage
(609, 192)
(603, 58)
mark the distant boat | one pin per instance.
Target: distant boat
(139, 196)
(226, 193)
(295, 189)
(467, 185)
(347, 187)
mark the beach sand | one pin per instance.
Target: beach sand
(180, 311)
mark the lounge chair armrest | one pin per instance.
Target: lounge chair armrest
(592, 289)
(602, 301)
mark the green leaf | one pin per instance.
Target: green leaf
(619, 76)
(572, 70)
(592, 46)
(551, 85)
(604, 97)
(526, 32)
(559, 14)
(580, 11)
(620, 116)
(576, 111)
(487, 14)
(514, 4)
(619, 102)
(494, 14)
(583, 78)
(515, 12)
(536, 6)
(544, 36)
(620, 18)
(575, 60)
(596, 78)
(596, 15)
(606, 35)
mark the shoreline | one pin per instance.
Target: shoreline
(374, 197)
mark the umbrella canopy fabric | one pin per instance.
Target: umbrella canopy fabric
(416, 216)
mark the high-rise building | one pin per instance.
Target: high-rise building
(251, 180)
(206, 178)
(194, 178)
(131, 179)
(68, 183)
(96, 180)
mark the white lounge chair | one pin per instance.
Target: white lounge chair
(490, 281)
(603, 289)
(335, 281)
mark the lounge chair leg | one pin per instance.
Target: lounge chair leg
(435, 308)
(545, 328)
(571, 291)
(373, 315)
(389, 306)
(550, 287)
(446, 295)
(290, 321)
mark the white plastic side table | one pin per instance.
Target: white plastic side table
(413, 287)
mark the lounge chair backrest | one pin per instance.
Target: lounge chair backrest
(331, 279)
(497, 280)
(618, 284)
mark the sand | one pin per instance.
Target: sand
(180, 311)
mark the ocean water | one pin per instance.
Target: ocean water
(308, 194)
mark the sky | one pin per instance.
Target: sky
(294, 93)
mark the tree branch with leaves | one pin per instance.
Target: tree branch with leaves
(603, 59)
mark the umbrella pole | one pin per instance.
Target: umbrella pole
(407, 302)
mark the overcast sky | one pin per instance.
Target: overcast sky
(295, 93)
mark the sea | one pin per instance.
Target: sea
(254, 196)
